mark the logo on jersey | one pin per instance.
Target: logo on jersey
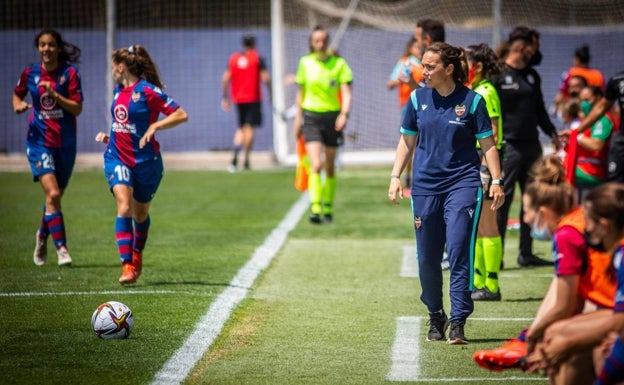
(62, 79)
(242, 62)
(460, 110)
(424, 106)
(47, 102)
(417, 222)
(121, 113)
(471, 212)
(136, 96)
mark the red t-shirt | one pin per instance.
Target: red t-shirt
(245, 70)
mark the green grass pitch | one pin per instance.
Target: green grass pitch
(323, 312)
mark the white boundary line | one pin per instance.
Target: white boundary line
(177, 368)
(70, 293)
(406, 350)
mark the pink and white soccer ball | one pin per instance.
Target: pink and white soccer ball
(112, 320)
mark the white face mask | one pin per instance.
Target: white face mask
(540, 233)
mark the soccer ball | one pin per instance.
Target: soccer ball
(112, 320)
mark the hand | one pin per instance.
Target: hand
(21, 107)
(555, 142)
(49, 87)
(225, 104)
(498, 196)
(341, 121)
(394, 189)
(147, 137)
(102, 137)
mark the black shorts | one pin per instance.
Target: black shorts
(249, 113)
(321, 127)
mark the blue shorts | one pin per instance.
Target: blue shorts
(144, 178)
(57, 161)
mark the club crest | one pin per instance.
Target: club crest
(460, 110)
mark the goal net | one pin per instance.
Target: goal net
(377, 33)
(190, 41)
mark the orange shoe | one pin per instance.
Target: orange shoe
(510, 355)
(128, 274)
(137, 261)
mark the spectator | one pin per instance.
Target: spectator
(615, 163)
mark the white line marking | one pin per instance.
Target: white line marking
(69, 293)
(406, 350)
(409, 267)
(482, 379)
(406, 354)
(177, 368)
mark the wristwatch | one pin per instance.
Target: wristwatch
(498, 182)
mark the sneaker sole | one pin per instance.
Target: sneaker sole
(456, 341)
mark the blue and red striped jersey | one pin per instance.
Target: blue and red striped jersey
(134, 108)
(50, 125)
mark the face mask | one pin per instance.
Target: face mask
(540, 233)
(585, 106)
(574, 94)
(536, 59)
(598, 246)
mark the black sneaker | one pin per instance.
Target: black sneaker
(328, 218)
(485, 295)
(438, 323)
(315, 218)
(456, 335)
(532, 260)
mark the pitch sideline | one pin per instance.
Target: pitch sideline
(177, 368)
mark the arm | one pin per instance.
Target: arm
(404, 152)
(20, 105)
(177, 117)
(562, 304)
(599, 109)
(591, 144)
(225, 85)
(493, 163)
(299, 112)
(345, 106)
(265, 77)
(74, 107)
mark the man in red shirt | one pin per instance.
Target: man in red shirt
(241, 82)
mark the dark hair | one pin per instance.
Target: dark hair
(581, 78)
(523, 33)
(408, 47)
(595, 91)
(68, 52)
(607, 201)
(582, 54)
(138, 61)
(549, 187)
(483, 54)
(432, 28)
(452, 55)
(248, 41)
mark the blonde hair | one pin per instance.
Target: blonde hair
(548, 186)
